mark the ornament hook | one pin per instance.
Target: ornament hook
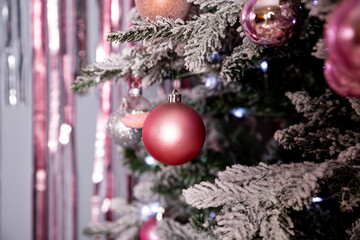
(135, 89)
(175, 97)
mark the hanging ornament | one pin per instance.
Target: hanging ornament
(343, 37)
(173, 133)
(270, 22)
(147, 230)
(173, 9)
(136, 108)
(121, 134)
(342, 83)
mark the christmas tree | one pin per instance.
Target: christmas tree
(282, 151)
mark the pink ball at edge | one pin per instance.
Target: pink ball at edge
(343, 37)
(341, 82)
(147, 230)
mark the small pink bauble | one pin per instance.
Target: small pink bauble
(136, 108)
(343, 37)
(173, 9)
(342, 83)
(147, 230)
(270, 22)
(135, 120)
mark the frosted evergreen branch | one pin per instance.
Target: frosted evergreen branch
(354, 231)
(243, 222)
(355, 104)
(256, 198)
(349, 195)
(200, 37)
(198, 95)
(171, 176)
(323, 143)
(133, 60)
(240, 59)
(320, 109)
(351, 156)
(126, 227)
(103, 228)
(170, 229)
(143, 191)
(240, 183)
(319, 136)
(320, 51)
(134, 15)
(142, 31)
(320, 9)
(219, 4)
(122, 206)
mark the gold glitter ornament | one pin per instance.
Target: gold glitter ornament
(166, 8)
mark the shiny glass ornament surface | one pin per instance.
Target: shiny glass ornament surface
(136, 109)
(121, 134)
(166, 8)
(270, 22)
(173, 133)
(342, 83)
(343, 37)
(147, 230)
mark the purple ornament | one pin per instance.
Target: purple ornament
(342, 83)
(270, 22)
(343, 37)
(147, 230)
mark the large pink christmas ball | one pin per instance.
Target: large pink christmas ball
(173, 9)
(147, 230)
(270, 22)
(343, 37)
(340, 81)
(173, 133)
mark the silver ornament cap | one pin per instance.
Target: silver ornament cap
(175, 97)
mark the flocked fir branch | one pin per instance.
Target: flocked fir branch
(348, 191)
(193, 42)
(320, 49)
(199, 38)
(170, 229)
(240, 60)
(319, 8)
(331, 128)
(256, 200)
(126, 227)
(354, 231)
(355, 104)
(134, 60)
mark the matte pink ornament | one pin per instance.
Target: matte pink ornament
(173, 132)
(342, 83)
(173, 9)
(147, 230)
(270, 22)
(343, 37)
